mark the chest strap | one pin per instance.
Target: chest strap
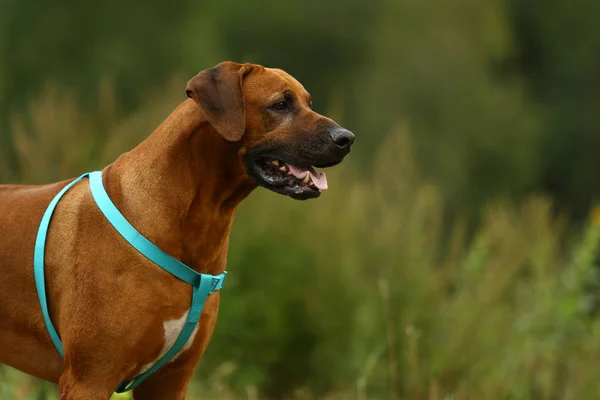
(202, 284)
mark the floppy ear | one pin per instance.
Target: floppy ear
(218, 92)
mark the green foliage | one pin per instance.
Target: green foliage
(557, 55)
(476, 132)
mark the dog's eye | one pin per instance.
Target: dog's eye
(280, 106)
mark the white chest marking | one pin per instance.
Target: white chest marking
(172, 330)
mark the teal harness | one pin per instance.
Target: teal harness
(202, 284)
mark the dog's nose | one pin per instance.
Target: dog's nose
(342, 138)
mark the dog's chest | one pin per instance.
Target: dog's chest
(172, 329)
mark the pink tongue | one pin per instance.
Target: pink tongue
(318, 178)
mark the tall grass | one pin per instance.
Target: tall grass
(367, 292)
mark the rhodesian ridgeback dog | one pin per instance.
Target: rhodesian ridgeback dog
(243, 126)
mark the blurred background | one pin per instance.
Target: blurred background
(455, 255)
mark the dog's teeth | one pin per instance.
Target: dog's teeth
(306, 178)
(276, 163)
(283, 169)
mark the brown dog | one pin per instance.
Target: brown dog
(244, 126)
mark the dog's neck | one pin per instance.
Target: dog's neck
(180, 188)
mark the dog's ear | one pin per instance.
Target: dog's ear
(218, 91)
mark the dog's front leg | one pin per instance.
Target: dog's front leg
(170, 382)
(92, 368)
(92, 384)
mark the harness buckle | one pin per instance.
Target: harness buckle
(218, 282)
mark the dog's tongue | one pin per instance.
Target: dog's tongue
(318, 178)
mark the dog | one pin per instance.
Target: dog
(242, 126)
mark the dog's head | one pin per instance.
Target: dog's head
(270, 115)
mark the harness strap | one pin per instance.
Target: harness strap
(202, 284)
(136, 239)
(38, 262)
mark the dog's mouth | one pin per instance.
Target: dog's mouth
(298, 182)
